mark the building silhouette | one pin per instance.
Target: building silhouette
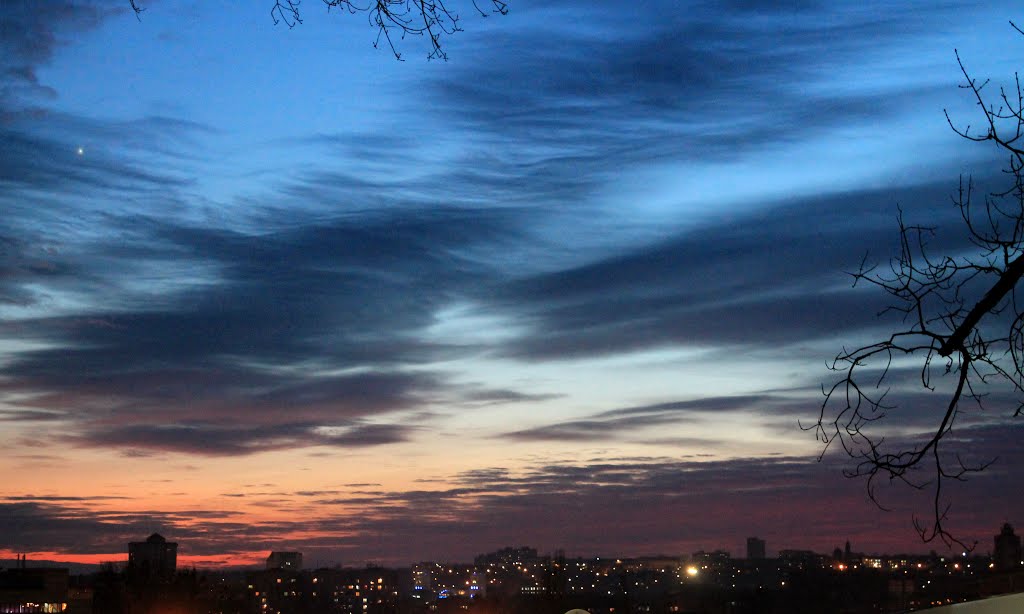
(1007, 549)
(154, 560)
(755, 548)
(284, 590)
(291, 561)
(33, 589)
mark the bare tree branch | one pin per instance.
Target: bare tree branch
(394, 19)
(988, 303)
(980, 347)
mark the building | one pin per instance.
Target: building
(291, 561)
(154, 560)
(371, 590)
(476, 586)
(423, 576)
(36, 589)
(279, 591)
(1007, 555)
(755, 548)
(802, 560)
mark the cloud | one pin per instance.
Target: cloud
(79, 526)
(57, 498)
(30, 34)
(324, 317)
(602, 428)
(770, 278)
(30, 416)
(35, 161)
(621, 423)
(221, 440)
(658, 505)
(657, 82)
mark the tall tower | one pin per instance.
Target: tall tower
(755, 548)
(1008, 552)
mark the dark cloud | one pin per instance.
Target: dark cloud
(594, 430)
(280, 315)
(63, 205)
(75, 526)
(769, 278)
(30, 33)
(218, 440)
(57, 498)
(249, 393)
(657, 82)
(749, 402)
(673, 506)
(30, 416)
(618, 423)
(368, 435)
(500, 396)
(32, 161)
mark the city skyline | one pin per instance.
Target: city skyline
(267, 288)
(518, 580)
(159, 557)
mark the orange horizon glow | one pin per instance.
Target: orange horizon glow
(219, 561)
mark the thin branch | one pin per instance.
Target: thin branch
(401, 18)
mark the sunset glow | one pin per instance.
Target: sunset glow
(269, 289)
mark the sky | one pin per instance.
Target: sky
(269, 288)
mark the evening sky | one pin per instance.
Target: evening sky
(269, 288)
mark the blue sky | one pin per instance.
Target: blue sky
(240, 262)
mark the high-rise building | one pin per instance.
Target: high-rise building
(477, 586)
(291, 561)
(755, 548)
(280, 591)
(1008, 550)
(423, 576)
(155, 559)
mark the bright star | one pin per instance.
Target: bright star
(80, 150)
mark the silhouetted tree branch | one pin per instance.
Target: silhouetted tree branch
(394, 19)
(962, 325)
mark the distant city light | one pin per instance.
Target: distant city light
(691, 571)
